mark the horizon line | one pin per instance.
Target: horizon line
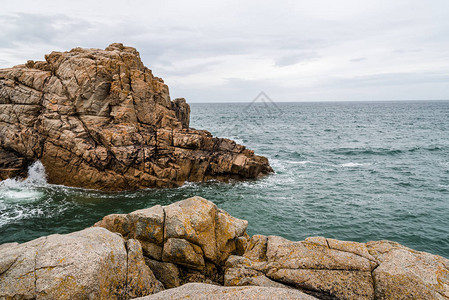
(325, 101)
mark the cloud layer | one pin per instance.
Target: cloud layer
(231, 50)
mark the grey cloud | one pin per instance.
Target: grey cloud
(294, 58)
(389, 79)
(402, 51)
(28, 29)
(357, 59)
(285, 33)
(232, 90)
(170, 69)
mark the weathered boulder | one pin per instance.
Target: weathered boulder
(195, 241)
(90, 264)
(193, 220)
(202, 291)
(307, 265)
(328, 268)
(404, 273)
(100, 119)
(193, 235)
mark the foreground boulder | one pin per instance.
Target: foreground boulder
(202, 291)
(93, 263)
(165, 247)
(100, 119)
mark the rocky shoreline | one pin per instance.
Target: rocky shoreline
(100, 119)
(192, 248)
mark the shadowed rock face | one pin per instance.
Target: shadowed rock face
(100, 119)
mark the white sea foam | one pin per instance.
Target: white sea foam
(302, 162)
(19, 194)
(17, 189)
(36, 177)
(352, 165)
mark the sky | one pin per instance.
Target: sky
(230, 51)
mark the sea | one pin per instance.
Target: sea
(357, 171)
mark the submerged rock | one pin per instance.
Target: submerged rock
(194, 241)
(100, 119)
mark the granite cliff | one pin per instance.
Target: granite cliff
(100, 119)
(193, 249)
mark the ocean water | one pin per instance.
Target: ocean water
(355, 171)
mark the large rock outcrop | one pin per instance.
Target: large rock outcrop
(100, 119)
(194, 241)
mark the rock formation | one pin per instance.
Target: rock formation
(194, 241)
(100, 119)
(187, 241)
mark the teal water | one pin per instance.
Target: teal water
(349, 170)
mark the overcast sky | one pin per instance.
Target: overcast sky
(210, 51)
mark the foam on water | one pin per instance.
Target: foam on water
(351, 165)
(302, 162)
(36, 177)
(16, 193)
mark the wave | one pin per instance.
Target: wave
(18, 189)
(16, 194)
(382, 151)
(301, 162)
(36, 177)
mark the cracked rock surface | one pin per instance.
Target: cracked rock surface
(100, 119)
